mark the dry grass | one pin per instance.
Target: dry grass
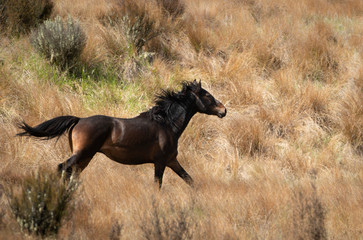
(285, 163)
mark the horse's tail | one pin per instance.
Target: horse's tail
(49, 129)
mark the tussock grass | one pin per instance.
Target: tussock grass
(169, 222)
(21, 16)
(309, 215)
(351, 115)
(247, 135)
(285, 163)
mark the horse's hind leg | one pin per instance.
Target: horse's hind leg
(76, 163)
(159, 172)
(85, 140)
(66, 166)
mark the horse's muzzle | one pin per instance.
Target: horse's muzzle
(222, 114)
(222, 111)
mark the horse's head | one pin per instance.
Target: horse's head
(205, 102)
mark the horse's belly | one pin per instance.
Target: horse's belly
(127, 156)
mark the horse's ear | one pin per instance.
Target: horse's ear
(198, 85)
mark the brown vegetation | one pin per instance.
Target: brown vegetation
(285, 163)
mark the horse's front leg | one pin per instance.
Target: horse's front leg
(175, 166)
(159, 172)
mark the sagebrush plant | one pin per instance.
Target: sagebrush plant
(20, 16)
(42, 202)
(60, 42)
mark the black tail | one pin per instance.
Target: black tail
(49, 129)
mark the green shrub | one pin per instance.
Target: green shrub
(20, 16)
(42, 202)
(60, 42)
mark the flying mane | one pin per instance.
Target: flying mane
(163, 101)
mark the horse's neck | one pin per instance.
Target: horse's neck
(180, 117)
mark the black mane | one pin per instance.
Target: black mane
(163, 102)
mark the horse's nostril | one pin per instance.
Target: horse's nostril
(222, 113)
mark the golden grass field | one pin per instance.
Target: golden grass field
(285, 163)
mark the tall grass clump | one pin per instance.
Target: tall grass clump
(173, 8)
(137, 32)
(20, 16)
(247, 136)
(42, 202)
(2, 15)
(132, 34)
(168, 223)
(122, 52)
(116, 230)
(318, 53)
(139, 21)
(351, 117)
(308, 215)
(60, 42)
(2, 212)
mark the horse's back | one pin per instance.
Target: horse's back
(94, 125)
(133, 132)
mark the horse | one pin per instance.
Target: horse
(150, 137)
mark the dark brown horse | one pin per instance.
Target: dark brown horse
(151, 137)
